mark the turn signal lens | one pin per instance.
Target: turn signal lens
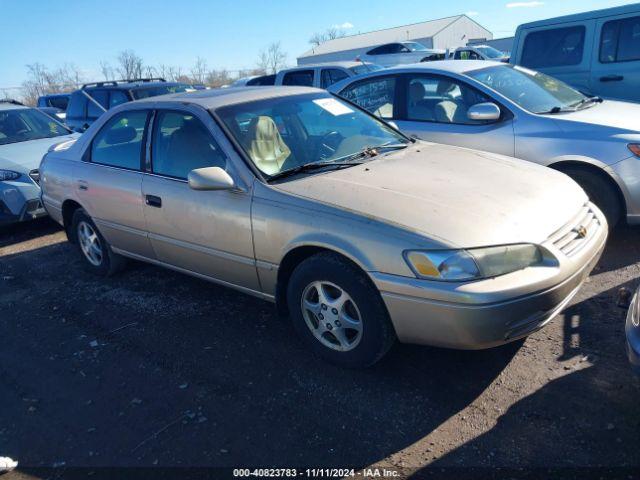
(635, 148)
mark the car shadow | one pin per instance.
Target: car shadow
(23, 231)
(157, 368)
(592, 409)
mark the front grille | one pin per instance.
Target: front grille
(577, 233)
(35, 175)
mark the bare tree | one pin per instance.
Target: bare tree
(42, 81)
(199, 71)
(272, 59)
(107, 70)
(217, 78)
(130, 65)
(329, 34)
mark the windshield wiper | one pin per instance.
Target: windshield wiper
(587, 101)
(555, 110)
(308, 167)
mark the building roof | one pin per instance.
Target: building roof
(377, 37)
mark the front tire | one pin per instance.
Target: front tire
(600, 191)
(338, 312)
(95, 251)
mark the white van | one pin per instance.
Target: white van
(597, 52)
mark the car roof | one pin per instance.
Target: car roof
(132, 85)
(453, 66)
(344, 64)
(220, 97)
(10, 105)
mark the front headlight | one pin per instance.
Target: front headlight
(472, 264)
(8, 175)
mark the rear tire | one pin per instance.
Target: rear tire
(96, 253)
(338, 312)
(600, 191)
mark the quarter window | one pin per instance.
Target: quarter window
(554, 48)
(302, 78)
(620, 40)
(376, 95)
(441, 100)
(119, 142)
(181, 143)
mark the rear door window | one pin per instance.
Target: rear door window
(117, 97)
(555, 47)
(620, 40)
(77, 105)
(119, 142)
(100, 96)
(302, 78)
(377, 95)
(331, 75)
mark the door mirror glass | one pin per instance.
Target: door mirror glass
(210, 178)
(484, 112)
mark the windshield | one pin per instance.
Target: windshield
(415, 46)
(490, 52)
(147, 92)
(533, 91)
(24, 124)
(365, 68)
(280, 134)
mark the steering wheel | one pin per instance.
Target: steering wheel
(328, 144)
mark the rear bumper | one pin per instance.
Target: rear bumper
(489, 312)
(632, 330)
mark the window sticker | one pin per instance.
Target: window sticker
(332, 106)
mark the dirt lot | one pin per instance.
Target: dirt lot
(154, 368)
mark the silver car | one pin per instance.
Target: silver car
(362, 235)
(518, 112)
(25, 136)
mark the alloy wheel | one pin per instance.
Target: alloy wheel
(90, 244)
(332, 316)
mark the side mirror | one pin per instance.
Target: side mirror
(210, 178)
(484, 112)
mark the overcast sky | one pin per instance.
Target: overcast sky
(226, 33)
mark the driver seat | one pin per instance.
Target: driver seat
(265, 146)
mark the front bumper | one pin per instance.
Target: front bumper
(488, 312)
(20, 201)
(632, 330)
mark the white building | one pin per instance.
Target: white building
(450, 32)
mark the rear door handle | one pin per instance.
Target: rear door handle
(153, 201)
(612, 78)
(82, 185)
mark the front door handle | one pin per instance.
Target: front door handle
(82, 185)
(612, 78)
(153, 201)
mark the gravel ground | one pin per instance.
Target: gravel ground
(154, 368)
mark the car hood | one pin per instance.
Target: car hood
(460, 197)
(612, 115)
(26, 156)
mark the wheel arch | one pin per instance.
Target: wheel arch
(294, 257)
(69, 207)
(596, 169)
